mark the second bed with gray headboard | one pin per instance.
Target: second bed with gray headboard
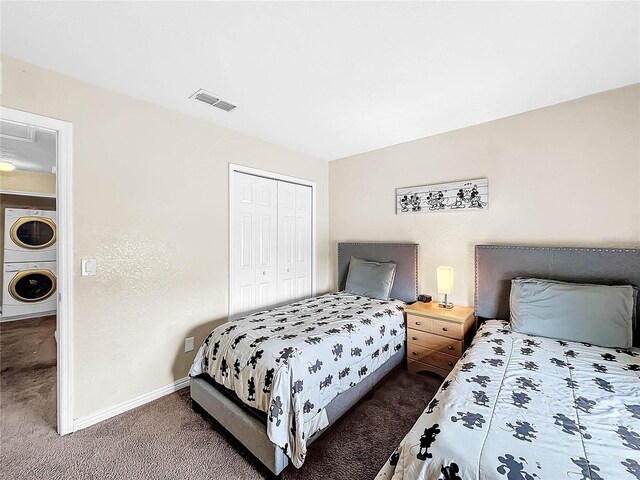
(537, 406)
(498, 265)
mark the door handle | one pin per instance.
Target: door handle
(264, 273)
(288, 270)
(445, 329)
(450, 347)
(417, 323)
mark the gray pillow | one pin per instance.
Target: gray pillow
(597, 314)
(370, 279)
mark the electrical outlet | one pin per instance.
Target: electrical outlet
(188, 344)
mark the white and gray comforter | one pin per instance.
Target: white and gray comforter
(290, 362)
(519, 407)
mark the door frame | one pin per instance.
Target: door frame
(64, 209)
(274, 176)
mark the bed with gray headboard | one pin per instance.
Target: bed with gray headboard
(335, 315)
(536, 406)
(405, 256)
(497, 265)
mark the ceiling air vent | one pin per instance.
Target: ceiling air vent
(210, 99)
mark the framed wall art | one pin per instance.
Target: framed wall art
(465, 195)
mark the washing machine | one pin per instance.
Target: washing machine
(29, 289)
(29, 235)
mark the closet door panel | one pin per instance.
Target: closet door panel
(246, 297)
(243, 257)
(265, 245)
(286, 242)
(303, 241)
(287, 290)
(255, 236)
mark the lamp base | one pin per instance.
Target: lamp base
(445, 304)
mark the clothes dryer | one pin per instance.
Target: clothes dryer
(29, 235)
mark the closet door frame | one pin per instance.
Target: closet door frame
(274, 176)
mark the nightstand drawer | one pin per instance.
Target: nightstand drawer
(449, 329)
(417, 322)
(431, 357)
(435, 342)
(417, 367)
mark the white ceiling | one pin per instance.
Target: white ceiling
(332, 79)
(30, 149)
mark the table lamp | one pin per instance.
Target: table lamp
(445, 284)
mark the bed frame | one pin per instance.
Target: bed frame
(248, 426)
(497, 265)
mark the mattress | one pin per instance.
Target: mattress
(524, 407)
(292, 361)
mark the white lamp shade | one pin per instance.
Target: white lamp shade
(445, 280)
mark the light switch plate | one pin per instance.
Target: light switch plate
(89, 267)
(188, 344)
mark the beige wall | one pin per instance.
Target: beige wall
(562, 175)
(150, 203)
(28, 182)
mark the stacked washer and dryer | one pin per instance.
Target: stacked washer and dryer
(30, 256)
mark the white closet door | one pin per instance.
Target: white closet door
(294, 241)
(254, 253)
(266, 242)
(303, 241)
(286, 242)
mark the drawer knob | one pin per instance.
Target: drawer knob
(417, 323)
(445, 329)
(414, 338)
(415, 353)
(450, 364)
(450, 347)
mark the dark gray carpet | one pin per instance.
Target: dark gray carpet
(165, 439)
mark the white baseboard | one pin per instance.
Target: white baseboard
(137, 401)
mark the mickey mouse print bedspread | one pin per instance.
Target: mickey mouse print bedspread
(291, 361)
(519, 407)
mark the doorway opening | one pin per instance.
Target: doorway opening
(36, 256)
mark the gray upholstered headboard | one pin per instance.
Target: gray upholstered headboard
(405, 255)
(497, 265)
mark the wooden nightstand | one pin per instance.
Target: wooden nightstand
(436, 337)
